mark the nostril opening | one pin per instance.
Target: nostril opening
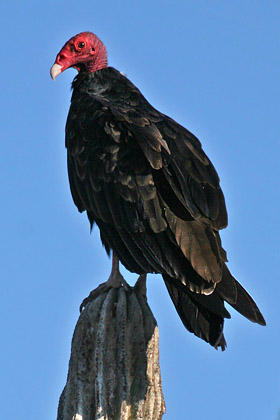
(60, 58)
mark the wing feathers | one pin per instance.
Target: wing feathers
(156, 197)
(199, 245)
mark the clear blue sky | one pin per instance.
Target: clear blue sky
(214, 66)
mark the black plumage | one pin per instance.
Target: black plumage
(155, 196)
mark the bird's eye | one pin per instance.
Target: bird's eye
(81, 44)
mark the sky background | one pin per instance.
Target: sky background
(212, 66)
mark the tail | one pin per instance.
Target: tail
(233, 293)
(204, 315)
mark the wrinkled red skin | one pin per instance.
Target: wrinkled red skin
(89, 58)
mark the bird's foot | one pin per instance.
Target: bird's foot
(115, 280)
(140, 286)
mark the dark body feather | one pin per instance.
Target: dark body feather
(155, 196)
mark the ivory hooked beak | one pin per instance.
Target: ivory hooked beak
(55, 70)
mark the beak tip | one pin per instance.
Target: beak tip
(55, 70)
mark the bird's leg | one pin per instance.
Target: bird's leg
(140, 286)
(115, 280)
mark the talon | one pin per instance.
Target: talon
(115, 280)
(103, 287)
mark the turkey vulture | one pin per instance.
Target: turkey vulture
(154, 194)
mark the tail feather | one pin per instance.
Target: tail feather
(234, 294)
(204, 315)
(197, 318)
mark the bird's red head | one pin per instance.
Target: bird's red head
(85, 52)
